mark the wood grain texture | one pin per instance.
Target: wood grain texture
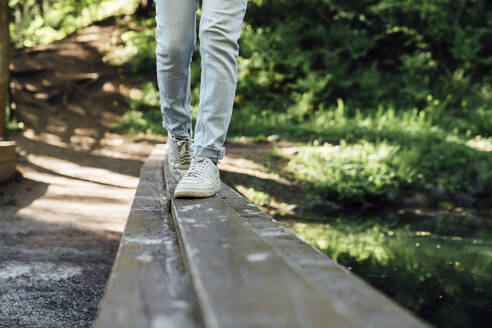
(358, 302)
(238, 268)
(241, 281)
(148, 286)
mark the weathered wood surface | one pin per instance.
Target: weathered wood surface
(7, 159)
(243, 269)
(359, 303)
(148, 286)
(239, 280)
(250, 271)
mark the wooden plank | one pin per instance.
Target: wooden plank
(358, 302)
(7, 159)
(240, 281)
(7, 151)
(148, 286)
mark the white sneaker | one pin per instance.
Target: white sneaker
(201, 180)
(179, 156)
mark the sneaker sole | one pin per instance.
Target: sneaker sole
(197, 193)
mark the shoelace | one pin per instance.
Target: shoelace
(196, 167)
(183, 150)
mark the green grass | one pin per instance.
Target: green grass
(353, 158)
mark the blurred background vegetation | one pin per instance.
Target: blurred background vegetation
(388, 102)
(35, 22)
(385, 95)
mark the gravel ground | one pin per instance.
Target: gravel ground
(62, 217)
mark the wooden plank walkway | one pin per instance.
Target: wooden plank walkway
(7, 159)
(239, 268)
(239, 280)
(148, 286)
(354, 299)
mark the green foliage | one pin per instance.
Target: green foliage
(258, 197)
(143, 113)
(304, 56)
(368, 155)
(136, 54)
(39, 22)
(351, 172)
(134, 121)
(398, 88)
(12, 123)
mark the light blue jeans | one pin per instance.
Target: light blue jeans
(219, 28)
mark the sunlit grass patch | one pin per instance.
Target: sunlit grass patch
(353, 171)
(352, 158)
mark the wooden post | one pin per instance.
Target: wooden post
(144, 8)
(4, 64)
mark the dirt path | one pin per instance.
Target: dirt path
(61, 220)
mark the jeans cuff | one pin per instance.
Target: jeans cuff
(171, 136)
(183, 134)
(209, 152)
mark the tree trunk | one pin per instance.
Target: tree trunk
(144, 9)
(4, 63)
(40, 5)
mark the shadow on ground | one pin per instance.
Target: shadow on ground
(61, 218)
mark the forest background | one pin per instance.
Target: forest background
(386, 96)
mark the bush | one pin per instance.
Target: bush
(40, 22)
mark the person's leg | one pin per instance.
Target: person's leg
(219, 32)
(176, 37)
(220, 24)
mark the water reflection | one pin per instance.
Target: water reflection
(438, 266)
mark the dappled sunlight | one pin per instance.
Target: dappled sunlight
(363, 127)
(265, 201)
(62, 18)
(479, 143)
(369, 242)
(71, 169)
(94, 193)
(350, 170)
(89, 174)
(245, 167)
(370, 167)
(86, 197)
(249, 167)
(96, 216)
(109, 87)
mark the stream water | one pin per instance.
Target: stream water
(438, 265)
